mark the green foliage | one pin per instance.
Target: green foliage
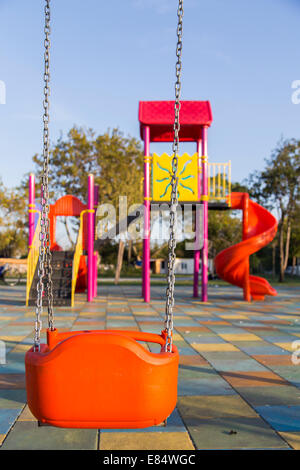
(116, 162)
(13, 233)
(277, 187)
(295, 235)
(224, 230)
(239, 187)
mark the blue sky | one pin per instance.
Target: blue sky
(242, 55)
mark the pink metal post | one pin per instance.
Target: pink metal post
(146, 240)
(197, 252)
(204, 199)
(247, 292)
(96, 201)
(31, 206)
(90, 234)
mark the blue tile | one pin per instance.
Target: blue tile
(203, 386)
(281, 418)
(244, 365)
(7, 418)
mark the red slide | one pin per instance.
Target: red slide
(232, 264)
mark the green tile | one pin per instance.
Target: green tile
(276, 395)
(28, 435)
(241, 433)
(12, 398)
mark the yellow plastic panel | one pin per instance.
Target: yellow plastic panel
(187, 177)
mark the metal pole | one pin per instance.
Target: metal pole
(246, 287)
(204, 199)
(197, 252)
(90, 244)
(146, 240)
(96, 202)
(31, 206)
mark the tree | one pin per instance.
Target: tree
(115, 160)
(277, 187)
(13, 233)
(295, 239)
(224, 230)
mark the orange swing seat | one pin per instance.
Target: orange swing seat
(101, 379)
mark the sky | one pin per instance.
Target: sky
(106, 56)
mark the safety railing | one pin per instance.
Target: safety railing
(77, 255)
(219, 181)
(33, 256)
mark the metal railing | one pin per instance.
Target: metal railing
(219, 181)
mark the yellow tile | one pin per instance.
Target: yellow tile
(26, 415)
(286, 346)
(145, 441)
(145, 314)
(200, 314)
(92, 314)
(2, 437)
(21, 348)
(232, 316)
(13, 338)
(214, 347)
(29, 315)
(115, 303)
(240, 337)
(177, 337)
(7, 318)
(292, 438)
(120, 317)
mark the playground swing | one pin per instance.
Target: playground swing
(103, 378)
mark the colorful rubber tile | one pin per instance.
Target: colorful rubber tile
(277, 395)
(7, 418)
(27, 435)
(253, 379)
(145, 441)
(196, 408)
(237, 433)
(281, 417)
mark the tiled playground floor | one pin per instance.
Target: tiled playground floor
(238, 387)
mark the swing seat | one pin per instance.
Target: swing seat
(101, 379)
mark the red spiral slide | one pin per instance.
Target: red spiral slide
(232, 264)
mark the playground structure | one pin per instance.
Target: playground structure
(71, 271)
(232, 264)
(205, 183)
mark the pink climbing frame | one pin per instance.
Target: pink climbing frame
(156, 125)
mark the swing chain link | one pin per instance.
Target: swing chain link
(45, 268)
(174, 194)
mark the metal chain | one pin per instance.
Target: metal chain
(174, 184)
(45, 268)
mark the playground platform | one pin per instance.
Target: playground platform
(238, 387)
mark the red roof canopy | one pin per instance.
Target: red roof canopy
(159, 116)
